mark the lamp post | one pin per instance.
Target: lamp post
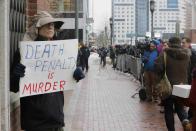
(111, 34)
(76, 20)
(152, 8)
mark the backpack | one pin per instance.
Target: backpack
(142, 94)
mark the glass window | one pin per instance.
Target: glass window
(172, 3)
(69, 5)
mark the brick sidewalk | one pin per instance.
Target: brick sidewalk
(102, 102)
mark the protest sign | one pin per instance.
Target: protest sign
(49, 66)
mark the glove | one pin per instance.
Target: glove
(78, 74)
(19, 70)
(145, 60)
(17, 73)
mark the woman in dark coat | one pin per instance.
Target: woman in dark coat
(192, 99)
(40, 112)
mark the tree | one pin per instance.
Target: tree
(102, 39)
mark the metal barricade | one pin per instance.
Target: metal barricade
(139, 63)
(123, 62)
(129, 63)
(119, 59)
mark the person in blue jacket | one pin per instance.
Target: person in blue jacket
(148, 60)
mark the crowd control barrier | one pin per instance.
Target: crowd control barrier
(128, 63)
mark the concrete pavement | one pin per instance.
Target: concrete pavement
(103, 102)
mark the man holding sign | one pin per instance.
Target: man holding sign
(43, 70)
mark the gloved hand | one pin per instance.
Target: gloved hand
(145, 60)
(19, 70)
(78, 74)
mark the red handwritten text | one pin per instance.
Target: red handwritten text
(43, 87)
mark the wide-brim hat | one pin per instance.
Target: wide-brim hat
(44, 18)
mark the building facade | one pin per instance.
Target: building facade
(65, 10)
(142, 17)
(169, 17)
(123, 12)
(191, 18)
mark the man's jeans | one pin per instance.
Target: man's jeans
(170, 105)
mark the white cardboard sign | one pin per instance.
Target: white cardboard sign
(49, 66)
(181, 90)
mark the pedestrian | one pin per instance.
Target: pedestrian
(164, 46)
(159, 44)
(192, 98)
(103, 53)
(177, 61)
(112, 56)
(186, 44)
(149, 75)
(84, 56)
(40, 112)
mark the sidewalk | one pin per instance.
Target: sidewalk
(102, 102)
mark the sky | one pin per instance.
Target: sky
(101, 12)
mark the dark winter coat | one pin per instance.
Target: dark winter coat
(39, 111)
(192, 97)
(85, 52)
(177, 65)
(192, 64)
(103, 52)
(112, 53)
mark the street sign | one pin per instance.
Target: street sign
(157, 35)
(148, 34)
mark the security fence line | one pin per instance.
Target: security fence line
(129, 63)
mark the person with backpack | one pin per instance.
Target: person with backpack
(177, 62)
(84, 56)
